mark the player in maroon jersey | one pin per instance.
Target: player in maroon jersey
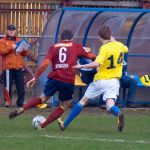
(63, 57)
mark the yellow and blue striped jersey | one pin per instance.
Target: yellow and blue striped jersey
(110, 58)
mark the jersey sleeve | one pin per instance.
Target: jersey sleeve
(50, 53)
(45, 63)
(125, 49)
(101, 56)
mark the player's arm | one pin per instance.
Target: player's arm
(44, 65)
(91, 55)
(93, 64)
(87, 49)
(125, 49)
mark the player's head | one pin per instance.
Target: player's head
(104, 32)
(66, 35)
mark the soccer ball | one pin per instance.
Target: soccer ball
(37, 120)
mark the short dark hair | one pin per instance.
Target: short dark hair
(66, 35)
(11, 27)
(104, 32)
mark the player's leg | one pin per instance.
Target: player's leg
(73, 113)
(114, 110)
(110, 105)
(53, 116)
(90, 93)
(31, 103)
(50, 89)
(65, 95)
(110, 95)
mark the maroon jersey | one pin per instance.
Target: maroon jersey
(64, 56)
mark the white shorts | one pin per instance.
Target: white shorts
(109, 89)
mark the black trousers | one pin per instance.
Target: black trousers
(15, 76)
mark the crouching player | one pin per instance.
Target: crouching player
(106, 81)
(63, 56)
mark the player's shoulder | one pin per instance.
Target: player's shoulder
(104, 47)
(119, 44)
(114, 43)
(77, 44)
(123, 46)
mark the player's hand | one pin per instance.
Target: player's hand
(87, 49)
(31, 82)
(77, 66)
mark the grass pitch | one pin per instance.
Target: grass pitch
(92, 130)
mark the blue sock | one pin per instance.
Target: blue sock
(74, 113)
(114, 110)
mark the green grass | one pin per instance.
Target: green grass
(90, 131)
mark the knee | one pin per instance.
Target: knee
(65, 105)
(83, 101)
(109, 103)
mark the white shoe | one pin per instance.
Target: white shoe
(61, 124)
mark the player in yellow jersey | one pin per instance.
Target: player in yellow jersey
(109, 63)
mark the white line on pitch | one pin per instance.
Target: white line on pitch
(77, 138)
(98, 139)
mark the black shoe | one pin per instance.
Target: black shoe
(61, 124)
(120, 122)
(15, 113)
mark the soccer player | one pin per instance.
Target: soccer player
(63, 57)
(106, 81)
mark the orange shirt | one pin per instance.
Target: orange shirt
(10, 59)
(1, 69)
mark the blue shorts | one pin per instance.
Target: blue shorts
(65, 89)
